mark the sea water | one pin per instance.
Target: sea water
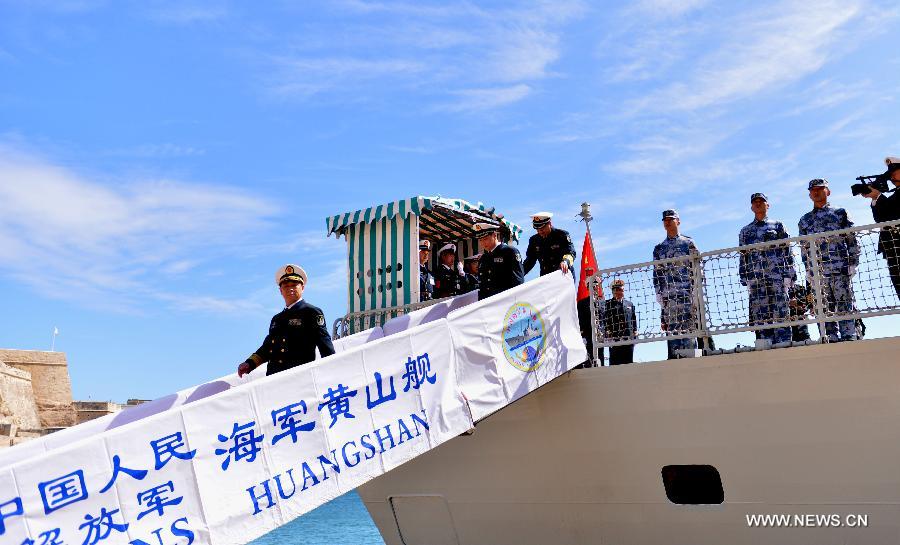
(342, 521)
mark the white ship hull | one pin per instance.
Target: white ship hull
(809, 430)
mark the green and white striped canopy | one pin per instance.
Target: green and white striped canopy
(459, 214)
(383, 245)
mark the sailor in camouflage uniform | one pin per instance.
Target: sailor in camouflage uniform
(426, 279)
(768, 274)
(838, 258)
(673, 283)
(550, 247)
(294, 333)
(500, 265)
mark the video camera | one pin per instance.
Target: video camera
(867, 183)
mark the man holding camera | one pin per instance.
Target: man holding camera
(838, 257)
(887, 208)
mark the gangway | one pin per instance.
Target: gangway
(230, 460)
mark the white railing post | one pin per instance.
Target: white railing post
(596, 336)
(699, 283)
(815, 280)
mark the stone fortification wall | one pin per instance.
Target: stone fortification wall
(17, 405)
(50, 383)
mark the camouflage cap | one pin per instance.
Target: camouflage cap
(818, 182)
(670, 214)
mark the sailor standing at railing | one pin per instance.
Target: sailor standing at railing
(838, 258)
(768, 273)
(673, 284)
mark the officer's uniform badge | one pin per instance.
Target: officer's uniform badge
(295, 322)
(320, 319)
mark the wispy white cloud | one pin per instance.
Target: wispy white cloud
(486, 58)
(765, 50)
(159, 151)
(185, 13)
(113, 244)
(305, 77)
(524, 55)
(471, 100)
(666, 8)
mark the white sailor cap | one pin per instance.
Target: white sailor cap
(449, 247)
(541, 219)
(475, 257)
(290, 273)
(893, 163)
(484, 229)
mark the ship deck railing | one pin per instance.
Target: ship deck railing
(720, 302)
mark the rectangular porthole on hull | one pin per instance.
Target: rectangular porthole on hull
(693, 484)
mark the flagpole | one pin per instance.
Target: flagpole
(596, 355)
(53, 339)
(586, 218)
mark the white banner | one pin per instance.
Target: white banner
(516, 341)
(65, 437)
(228, 468)
(429, 314)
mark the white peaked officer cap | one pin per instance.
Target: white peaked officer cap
(484, 229)
(893, 163)
(290, 273)
(541, 219)
(450, 247)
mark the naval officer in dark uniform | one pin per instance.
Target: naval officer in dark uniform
(470, 266)
(450, 280)
(619, 324)
(295, 332)
(500, 266)
(550, 247)
(426, 279)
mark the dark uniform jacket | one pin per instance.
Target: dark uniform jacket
(887, 208)
(294, 335)
(619, 319)
(448, 282)
(499, 270)
(549, 252)
(426, 283)
(471, 283)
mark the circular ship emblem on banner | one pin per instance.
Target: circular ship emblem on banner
(524, 337)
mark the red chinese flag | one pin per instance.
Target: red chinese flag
(588, 268)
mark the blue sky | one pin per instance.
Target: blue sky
(159, 160)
